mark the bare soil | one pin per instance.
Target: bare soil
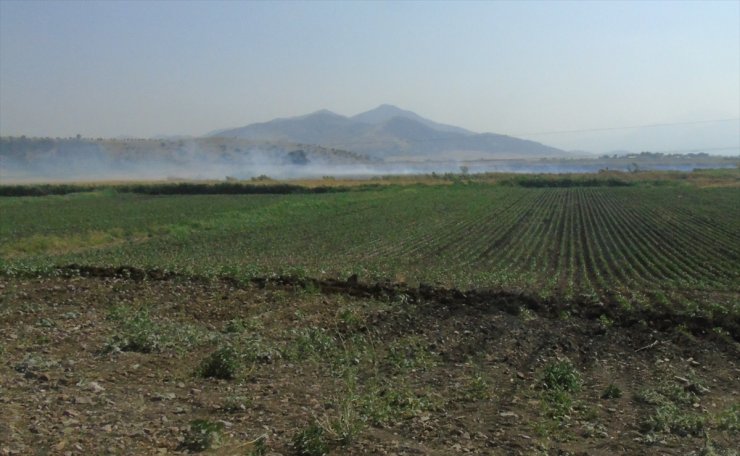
(376, 372)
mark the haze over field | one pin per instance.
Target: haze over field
(454, 81)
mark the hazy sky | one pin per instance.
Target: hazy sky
(146, 68)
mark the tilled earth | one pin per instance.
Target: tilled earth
(113, 365)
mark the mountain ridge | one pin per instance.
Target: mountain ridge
(389, 131)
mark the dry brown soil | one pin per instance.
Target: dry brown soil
(377, 374)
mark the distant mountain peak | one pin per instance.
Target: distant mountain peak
(383, 113)
(387, 130)
(325, 111)
(385, 107)
(320, 113)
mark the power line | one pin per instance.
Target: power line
(627, 128)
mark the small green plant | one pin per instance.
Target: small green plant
(46, 323)
(477, 388)
(257, 350)
(382, 405)
(558, 403)
(729, 419)
(235, 326)
(561, 376)
(259, 447)
(526, 314)
(202, 435)
(235, 404)
(311, 441)
(310, 287)
(410, 353)
(605, 321)
(138, 333)
(624, 304)
(346, 425)
(222, 364)
(313, 342)
(559, 380)
(349, 319)
(611, 392)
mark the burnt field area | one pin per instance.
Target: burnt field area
(125, 363)
(461, 314)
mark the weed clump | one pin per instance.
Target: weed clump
(477, 388)
(235, 326)
(730, 419)
(561, 376)
(611, 392)
(202, 435)
(559, 380)
(138, 333)
(259, 447)
(672, 413)
(669, 418)
(311, 441)
(234, 404)
(222, 364)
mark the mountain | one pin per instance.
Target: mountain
(390, 132)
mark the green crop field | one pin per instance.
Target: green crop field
(631, 246)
